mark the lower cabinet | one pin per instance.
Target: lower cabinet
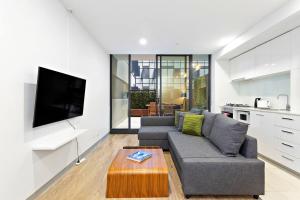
(278, 137)
(262, 128)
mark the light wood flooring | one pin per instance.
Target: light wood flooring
(88, 181)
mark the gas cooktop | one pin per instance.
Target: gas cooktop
(237, 105)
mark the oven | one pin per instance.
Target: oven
(243, 116)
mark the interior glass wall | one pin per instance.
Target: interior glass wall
(174, 84)
(119, 91)
(143, 88)
(200, 81)
(149, 85)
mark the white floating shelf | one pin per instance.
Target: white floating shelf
(56, 140)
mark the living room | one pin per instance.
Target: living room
(150, 99)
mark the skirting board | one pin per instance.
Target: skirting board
(56, 177)
(277, 164)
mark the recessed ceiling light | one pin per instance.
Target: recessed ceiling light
(143, 41)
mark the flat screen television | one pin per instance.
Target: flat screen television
(58, 97)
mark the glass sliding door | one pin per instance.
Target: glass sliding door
(143, 88)
(200, 81)
(119, 92)
(174, 86)
(152, 85)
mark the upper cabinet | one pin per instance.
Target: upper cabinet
(295, 40)
(273, 57)
(240, 67)
(281, 53)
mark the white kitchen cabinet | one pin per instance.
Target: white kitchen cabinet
(262, 128)
(262, 58)
(280, 54)
(270, 58)
(235, 70)
(287, 121)
(278, 137)
(295, 41)
(241, 66)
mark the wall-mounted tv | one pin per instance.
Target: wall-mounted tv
(58, 97)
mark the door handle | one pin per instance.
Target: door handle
(287, 145)
(287, 158)
(260, 115)
(286, 118)
(288, 132)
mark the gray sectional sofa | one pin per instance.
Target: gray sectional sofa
(208, 165)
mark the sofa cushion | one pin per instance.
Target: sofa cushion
(192, 124)
(228, 135)
(180, 121)
(188, 146)
(177, 112)
(197, 111)
(155, 132)
(209, 119)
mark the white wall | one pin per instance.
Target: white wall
(42, 33)
(222, 91)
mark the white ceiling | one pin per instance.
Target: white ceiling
(170, 26)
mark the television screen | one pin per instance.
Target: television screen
(58, 97)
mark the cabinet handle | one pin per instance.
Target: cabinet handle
(287, 145)
(286, 118)
(288, 158)
(260, 115)
(288, 132)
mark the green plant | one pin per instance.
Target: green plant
(139, 99)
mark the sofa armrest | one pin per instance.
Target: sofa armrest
(158, 121)
(249, 147)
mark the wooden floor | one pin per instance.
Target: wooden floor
(88, 181)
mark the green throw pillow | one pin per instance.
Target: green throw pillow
(177, 117)
(192, 124)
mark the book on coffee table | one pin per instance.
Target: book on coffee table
(139, 156)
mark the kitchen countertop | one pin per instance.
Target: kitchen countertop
(267, 110)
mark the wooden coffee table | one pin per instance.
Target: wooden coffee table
(128, 179)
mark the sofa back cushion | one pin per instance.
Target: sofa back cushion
(180, 121)
(177, 112)
(209, 119)
(228, 135)
(197, 111)
(192, 124)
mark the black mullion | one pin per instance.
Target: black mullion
(160, 91)
(190, 82)
(209, 83)
(129, 92)
(110, 93)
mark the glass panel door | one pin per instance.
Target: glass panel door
(174, 84)
(200, 81)
(119, 91)
(143, 88)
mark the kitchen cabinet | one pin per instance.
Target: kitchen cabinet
(261, 127)
(280, 54)
(273, 57)
(262, 57)
(240, 67)
(295, 41)
(278, 137)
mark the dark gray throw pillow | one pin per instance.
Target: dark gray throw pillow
(197, 111)
(209, 119)
(181, 119)
(228, 135)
